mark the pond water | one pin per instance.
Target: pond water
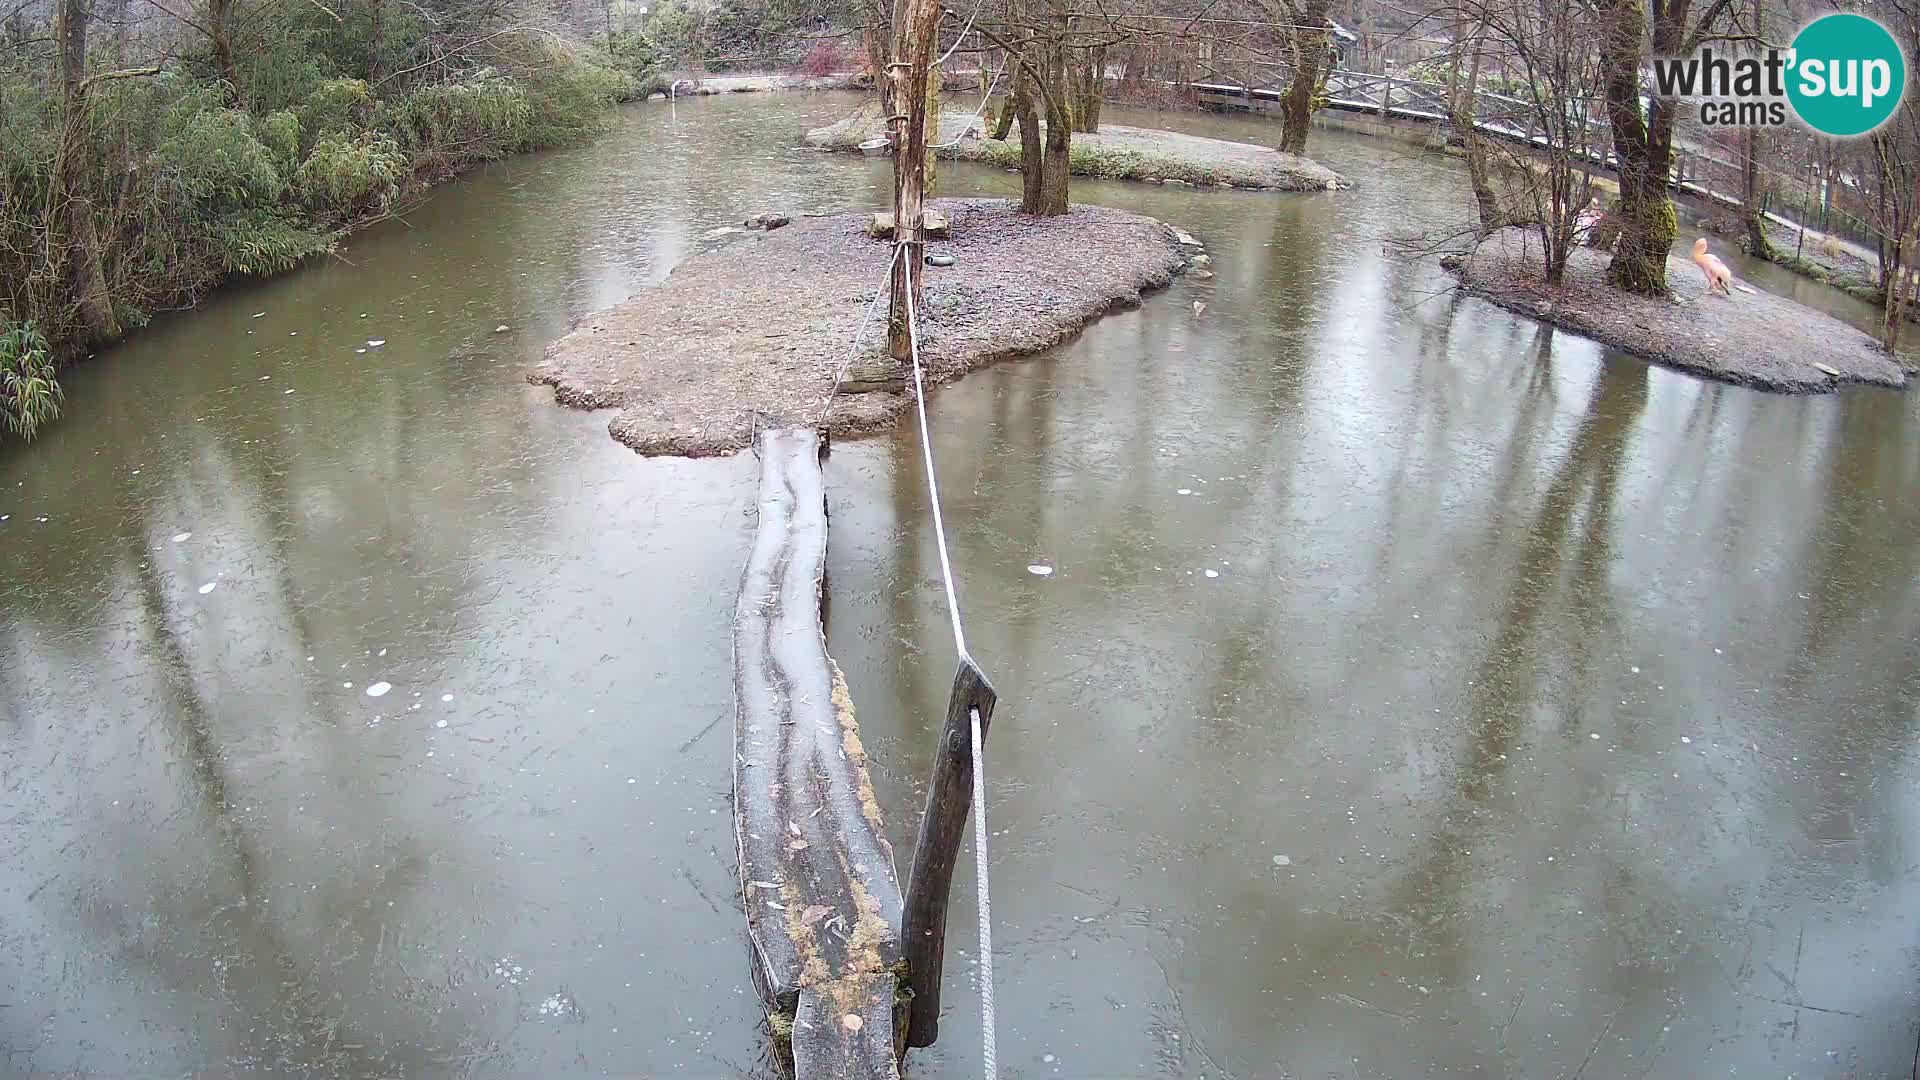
(1417, 690)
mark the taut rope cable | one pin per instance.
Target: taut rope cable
(968, 126)
(926, 449)
(988, 1048)
(988, 1051)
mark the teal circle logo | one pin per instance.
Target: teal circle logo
(1848, 75)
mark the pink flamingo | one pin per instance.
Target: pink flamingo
(1719, 278)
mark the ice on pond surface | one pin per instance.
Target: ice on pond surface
(208, 587)
(1040, 570)
(379, 689)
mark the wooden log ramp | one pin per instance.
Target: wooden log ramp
(817, 876)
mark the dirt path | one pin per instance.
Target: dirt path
(754, 334)
(1752, 339)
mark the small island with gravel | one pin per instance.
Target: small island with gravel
(1754, 339)
(1115, 152)
(757, 332)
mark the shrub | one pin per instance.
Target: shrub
(345, 175)
(29, 394)
(265, 242)
(280, 133)
(825, 58)
(461, 121)
(211, 158)
(568, 102)
(336, 105)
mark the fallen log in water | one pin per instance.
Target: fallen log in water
(816, 872)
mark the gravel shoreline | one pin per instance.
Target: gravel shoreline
(1751, 339)
(754, 334)
(1115, 152)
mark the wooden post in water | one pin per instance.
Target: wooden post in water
(923, 930)
(913, 40)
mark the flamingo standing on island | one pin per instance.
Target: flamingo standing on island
(1719, 278)
(1589, 219)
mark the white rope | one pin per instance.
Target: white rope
(968, 126)
(989, 1051)
(963, 34)
(987, 1048)
(926, 449)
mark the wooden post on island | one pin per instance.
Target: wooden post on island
(923, 929)
(913, 40)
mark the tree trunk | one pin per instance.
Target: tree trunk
(1753, 197)
(74, 240)
(1031, 153)
(1003, 119)
(1896, 293)
(1309, 48)
(1479, 175)
(1643, 147)
(1057, 96)
(913, 40)
(1089, 89)
(1053, 172)
(377, 38)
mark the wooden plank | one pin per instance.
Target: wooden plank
(817, 879)
(846, 1029)
(949, 797)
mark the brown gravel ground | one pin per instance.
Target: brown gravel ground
(1753, 339)
(755, 333)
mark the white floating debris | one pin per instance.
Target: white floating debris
(1594, 735)
(379, 689)
(286, 391)
(264, 378)
(1048, 1058)
(501, 329)
(1213, 573)
(293, 333)
(436, 723)
(181, 538)
(1040, 570)
(208, 587)
(1688, 740)
(382, 652)
(1184, 491)
(259, 314)
(1282, 860)
(374, 343)
(446, 697)
(359, 350)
